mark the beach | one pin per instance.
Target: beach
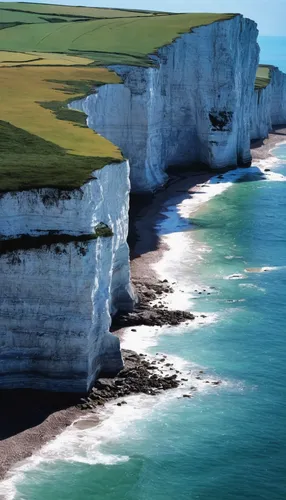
(28, 420)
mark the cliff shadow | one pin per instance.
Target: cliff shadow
(22, 409)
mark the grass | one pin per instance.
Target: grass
(55, 59)
(7, 16)
(27, 17)
(42, 142)
(129, 37)
(29, 162)
(263, 76)
(24, 89)
(8, 59)
(64, 10)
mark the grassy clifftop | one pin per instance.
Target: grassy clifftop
(263, 76)
(50, 54)
(106, 41)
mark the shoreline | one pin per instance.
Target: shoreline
(147, 249)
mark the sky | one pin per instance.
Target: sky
(270, 15)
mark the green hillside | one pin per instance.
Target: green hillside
(51, 54)
(123, 38)
(65, 10)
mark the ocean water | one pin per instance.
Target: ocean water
(227, 442)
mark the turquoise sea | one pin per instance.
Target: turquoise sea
(227, 442)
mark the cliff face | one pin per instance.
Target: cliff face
(269, 105)
(196, 105)
(278, 97)
(260, 116)
(193, 107)
(56, 300)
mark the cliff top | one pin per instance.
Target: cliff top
(105, 36)
(51, 54)
(263, 76)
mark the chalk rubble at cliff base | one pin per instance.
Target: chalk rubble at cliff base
(148, 313)
(141, 374)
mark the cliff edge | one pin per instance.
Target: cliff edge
(77, 110)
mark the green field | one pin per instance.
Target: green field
(65, 10)
(6, 16)
(51, 54)
(13, 59)
(11, 16)
(129, 37)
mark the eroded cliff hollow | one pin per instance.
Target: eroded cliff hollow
(193, 107)
(56, 297)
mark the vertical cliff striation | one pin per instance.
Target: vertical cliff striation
(193, 107)
(269, 105)
(64, 260)
(57, 297)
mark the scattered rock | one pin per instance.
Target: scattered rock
(136, 377)
(148, 314)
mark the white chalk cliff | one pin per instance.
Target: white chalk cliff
(56, 300)
(194, 106)
(269, 105)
